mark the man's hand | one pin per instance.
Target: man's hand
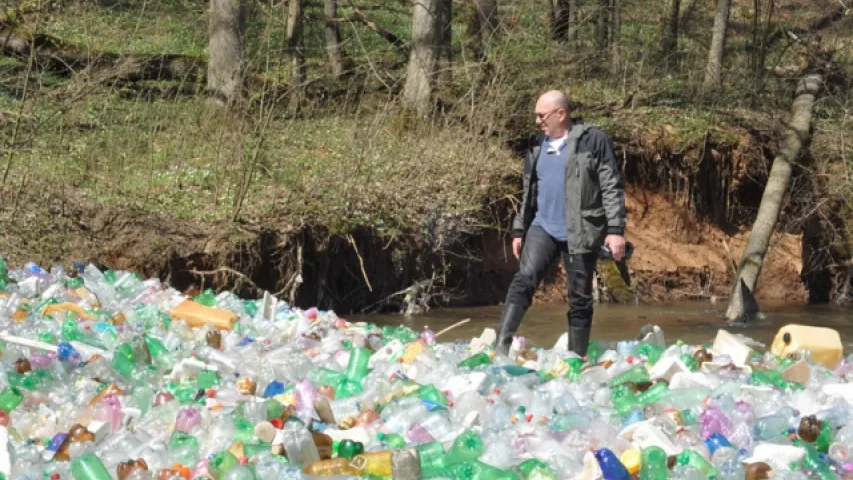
(516, 247)
(616, 244)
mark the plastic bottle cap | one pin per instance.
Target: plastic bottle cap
(631, 460)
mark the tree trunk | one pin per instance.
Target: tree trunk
(615, 35)
(333, 38)
(669, 33)
(297, 55)
(445, 58)
(424, 56)
(601, 26)
(225, 67)
(481, 26)
(796, 134)
(561, 20)
(760, 30)
(713, 71)
(573, 21)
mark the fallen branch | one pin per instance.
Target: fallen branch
(58, 56)
(457, 324)
(359, 17)
(819, 24)
(242, 276)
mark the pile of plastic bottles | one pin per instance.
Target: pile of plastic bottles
(106, 379)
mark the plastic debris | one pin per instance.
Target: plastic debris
(109, 376)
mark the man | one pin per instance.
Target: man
(573, 203)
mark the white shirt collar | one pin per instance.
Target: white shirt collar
(556, 144)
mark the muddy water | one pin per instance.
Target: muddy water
(691, 322)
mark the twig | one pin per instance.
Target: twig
(360, 261)
(202, 273)
(457, 324)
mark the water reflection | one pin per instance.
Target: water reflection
(691, 322)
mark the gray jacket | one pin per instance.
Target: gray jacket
(595, 194)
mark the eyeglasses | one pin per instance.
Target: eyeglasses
(543, 116)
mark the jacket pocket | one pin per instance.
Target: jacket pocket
(588, 178)
(594, 226)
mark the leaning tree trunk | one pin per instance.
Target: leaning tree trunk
(334, 50)
(424, 56)
(796, 134)
(481, 26)
(713, 71)
(225, 67)
(669, 32)
(297, 55)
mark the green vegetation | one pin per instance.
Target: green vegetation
(352, 158)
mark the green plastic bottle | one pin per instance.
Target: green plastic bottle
(697, 461)
(623, 399)
(274, 408)
(653, 394)
(824, 440)
(350, 448)
(89, 467)
(221, 463)
(650, 351)
(467, 446)
(206, 298)
(432, 458)
(593, 351)
(475, 360)
(636, 374)
(10, 398)
(181, 439)
(430, 393)
(70, 331)
(358, 365)
(813, 462)
(123, 361)
(768, 377)
(4, 274)
(653, 464)
(393, 440)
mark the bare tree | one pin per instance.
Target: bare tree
(427, 36)
(295, 45)
(225, 68)
(713, 70)
(561, 15)
(761, 22)
(334, 49)
(601, 26)
(796, 135)
(445, 48)
(481, 25)
(669, 29)
(615, 34)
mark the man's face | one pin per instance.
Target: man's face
(549, 118)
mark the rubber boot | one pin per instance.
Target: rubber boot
(579, 339)
(510, 321)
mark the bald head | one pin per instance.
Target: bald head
(556, 99)
(552, 113)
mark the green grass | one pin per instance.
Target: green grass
(353, 160)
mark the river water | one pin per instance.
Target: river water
(692, 322)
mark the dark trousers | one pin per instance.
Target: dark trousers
(538, 254)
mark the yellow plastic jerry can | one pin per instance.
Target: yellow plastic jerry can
(824, 344)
